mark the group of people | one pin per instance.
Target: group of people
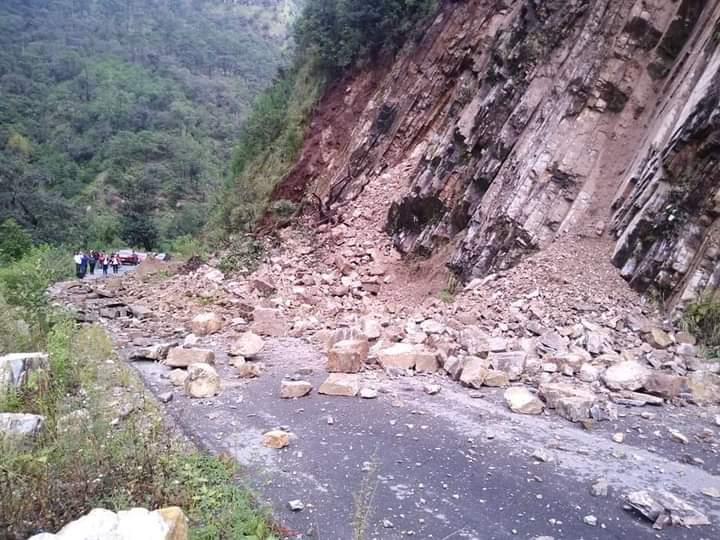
(85, 263)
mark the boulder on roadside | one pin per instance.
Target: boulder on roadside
(664, 384)
(264, 286)
(295, 389)
(179, 357)
(399, 355)
(553, 392)
(348, 356)
(426, 361)
(164, 524)
(202, 381)
(16, 368)
(512, 363)
(627, 375)
(496, 378)
(340, 384)
(575, 409)
(474, 372)
(20, 429)
(665, 509)
(207, 323)
(474, 341)
(520, 400)
(249, 344)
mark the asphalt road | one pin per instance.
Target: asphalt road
(449, 466)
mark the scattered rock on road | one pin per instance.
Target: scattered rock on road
(178, 357)
(341, 384)
(294, 389)
(665, 509)
(205, 324)
(521, 400)
(276, 439)
(247, 345)
(202, 381)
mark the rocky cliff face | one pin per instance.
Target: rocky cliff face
(511, 124)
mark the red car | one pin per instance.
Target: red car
(127, 256)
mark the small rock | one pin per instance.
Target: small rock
(540, 454)
(296, 505)
(590, 520)
(276, 439)
(599, 488)
(165, 397)
(712, 492)
(618, 437)
(679, 437)
(248, 370)
(387, 524)
(269, 322)
(294, 389)
(432, 389)
(368, 393)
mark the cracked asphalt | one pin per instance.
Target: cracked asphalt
(456, 465)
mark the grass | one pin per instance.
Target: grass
(85, 460)
(364, 501)
(702, 319)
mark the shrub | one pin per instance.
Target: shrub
(242, 255)
(702, 319)
(14, 241)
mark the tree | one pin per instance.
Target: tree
(14, 241)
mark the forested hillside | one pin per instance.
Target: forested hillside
(117, 117)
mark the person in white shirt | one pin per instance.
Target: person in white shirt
(78, 262)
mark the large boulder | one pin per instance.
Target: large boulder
(269, 322)
(249, 344)
(664, 384)
(627, 375)
(348, 356)
(19, 428)
(704, 387)
(426, 361)
(16, 368)
(179, 357)
(399, 355)
(202, 381)
(205, 324)
(164, 524)
(575, 409)
(521, 400)
(512, 363)
(553, 392)
(474, 372)
(659, 338)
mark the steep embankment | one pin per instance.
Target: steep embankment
(511, 125)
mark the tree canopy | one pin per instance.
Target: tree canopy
(118, 117)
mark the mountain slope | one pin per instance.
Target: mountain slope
(126, 108)
(512, 125)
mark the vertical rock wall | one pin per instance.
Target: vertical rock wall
(509, 124)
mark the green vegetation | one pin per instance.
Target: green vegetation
(702, 319)
(331, 37)
(126, 109)
(92, 453)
